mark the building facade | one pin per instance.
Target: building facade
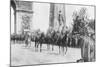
(23, 13)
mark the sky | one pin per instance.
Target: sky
(41, 15)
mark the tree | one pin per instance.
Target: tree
(80, 24)
(91, 29)
(84, 27)
(92, 24)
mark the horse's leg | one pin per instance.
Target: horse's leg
(66, 50)
(63, 50)
(30, 43)
(59, 49)
(35, 45)
(48, 46)
(52, 47)
(26, 43)
(40, 47)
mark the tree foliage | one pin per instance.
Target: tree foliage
(80, 23)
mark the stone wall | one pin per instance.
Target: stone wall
(24, 8)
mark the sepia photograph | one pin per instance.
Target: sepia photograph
(51, 33)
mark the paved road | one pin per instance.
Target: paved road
(28, 56)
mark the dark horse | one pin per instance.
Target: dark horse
(39, 40)
(62, 42)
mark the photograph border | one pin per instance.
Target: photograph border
(54, 3)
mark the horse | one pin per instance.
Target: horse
(39, 39)
(62, 42)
